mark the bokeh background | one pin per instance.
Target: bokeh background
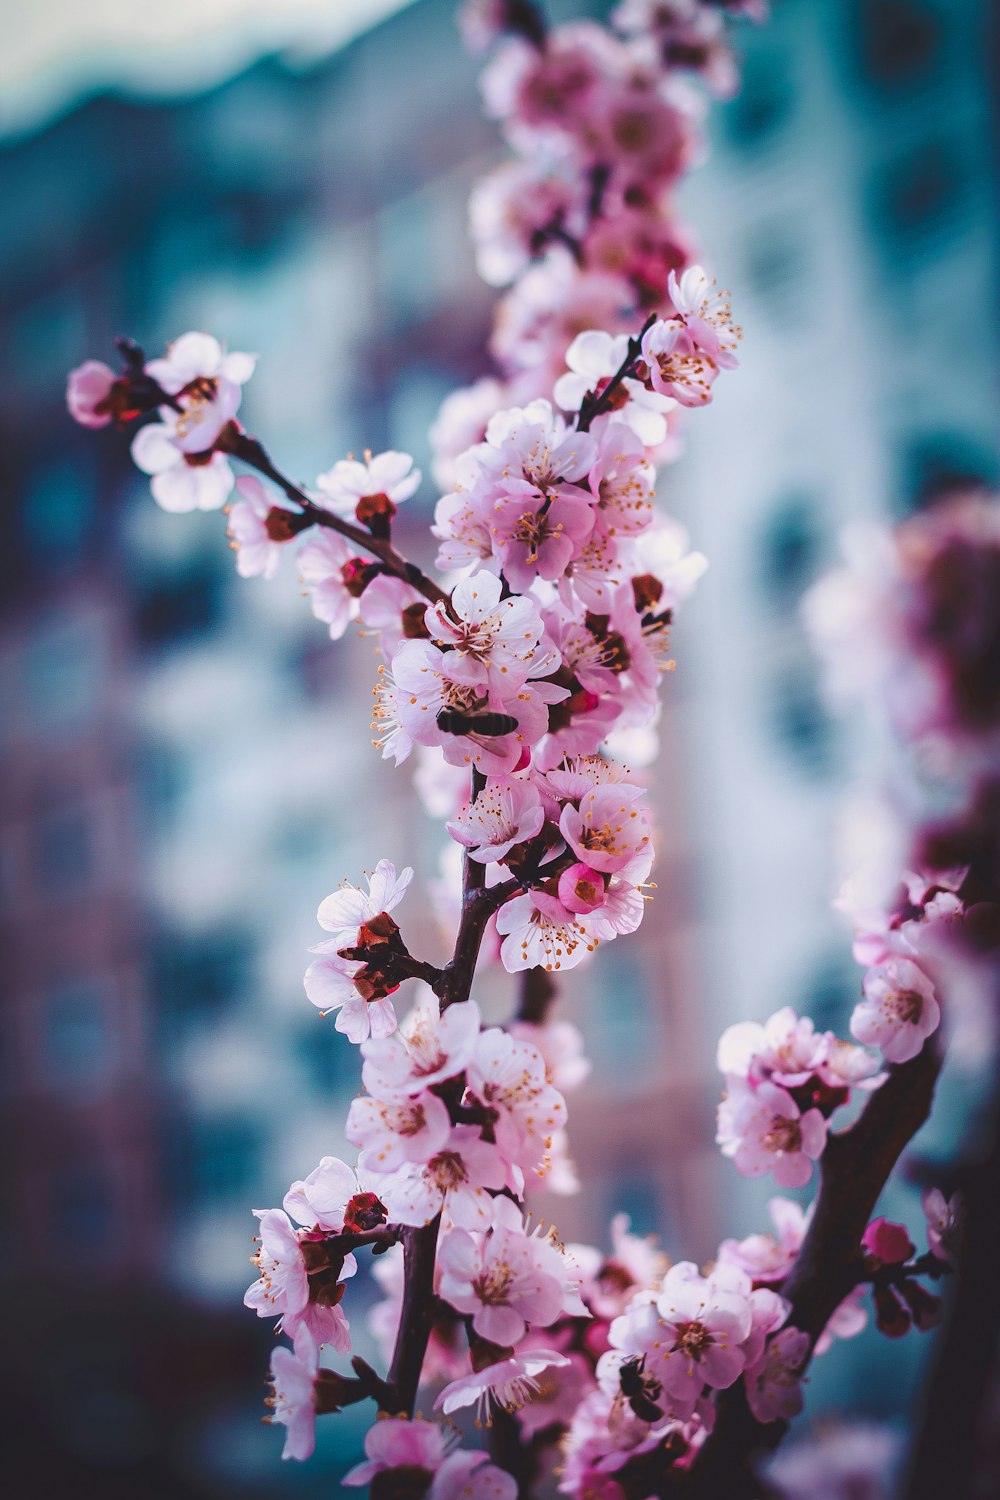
(185, 761)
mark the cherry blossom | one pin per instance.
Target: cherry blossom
(429, 1047)
(88, 389)
(284, 1287)
(944, 1224)
(497, 1279)
(331, 1198)
(534, 937)
(325, 565)
(886, 1242)
(508, 1075)
(181, 481)
(258, 552)
(389, 1132)
(293, 1399)
(706, 314)
(592, 358)
(677, 367)
(609, 828)
(454, 1181)
(691, 1332)
(764, 1130)
(418, 1452)
(774, 1387)
(506, 1385)
(382, 481)
(347, 910)
(206, 382)
(494, 638)
(507, 811)
(899, 1011)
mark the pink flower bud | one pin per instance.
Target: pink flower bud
(581, 889)
(887, 1242)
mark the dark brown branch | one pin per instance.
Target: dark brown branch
(252, 452)
(958, 1403)
(854, 1169)
(478, 905)
(538, 992)
(595, 403)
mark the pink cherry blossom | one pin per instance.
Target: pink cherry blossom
(691, 1333)
(677, 367)
(560, 1044)
(329, 985)
(87, 390)
(454, 1181)
(763, 1130)
(508, 1074)
(429, 1047)
(506, 812)
(773, 1383)
(535, 938)
(320, 1200)
(944, 1224)
(899, 1011)
(581, 888)
(181, 481)
(765, 1257)
(324, 563)
(506, 1385)
(283, 1287)
(207, 383)
(389, 1132)
(348, 908)
(887, 1242)
(497, 1280)
(293, 1398)
(257, 552)
(593, 357)
(390, 474)
(433, 706)
(609, 828)
(494, 639)
(706, 314)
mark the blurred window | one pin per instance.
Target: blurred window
(935, 463)
(899, 42)
(79, 1042)
(64, 850)
(223, 1160)
(764, 103)
(789, 547)
(799, 720)
(329, 1066)
(201, 975)
(58, 510)
(172, 606)
(916, 199)
(62, 670)
(777, 267)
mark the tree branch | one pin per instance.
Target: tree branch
(538, 992)
(595, 403)
(253, 453)
(853, 1172)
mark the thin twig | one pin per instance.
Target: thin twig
(595, 403)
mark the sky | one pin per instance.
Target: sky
(56, 51)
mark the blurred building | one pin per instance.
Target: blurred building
(186, 770)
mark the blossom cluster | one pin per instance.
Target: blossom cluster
(514, 684)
